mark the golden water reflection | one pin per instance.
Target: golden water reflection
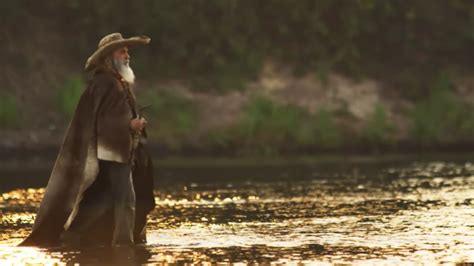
(421, 213)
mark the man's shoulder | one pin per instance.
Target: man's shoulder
(103, 80)
(103, 76)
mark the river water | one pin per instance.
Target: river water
(394, 213)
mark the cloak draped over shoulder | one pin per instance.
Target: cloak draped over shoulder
(99, 128)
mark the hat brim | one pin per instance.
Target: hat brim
(108, 48)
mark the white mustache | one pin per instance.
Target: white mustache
(121, 62)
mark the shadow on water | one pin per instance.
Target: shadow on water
(391, 212)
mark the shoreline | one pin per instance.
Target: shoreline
(19, 172)
(44, 157)
(191, 153)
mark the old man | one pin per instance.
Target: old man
(101, 188)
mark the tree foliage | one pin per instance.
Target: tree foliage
(218, 44)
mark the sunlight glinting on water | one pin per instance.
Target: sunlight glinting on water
(10, 255)
(424, 215)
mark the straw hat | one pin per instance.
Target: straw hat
(111, 42)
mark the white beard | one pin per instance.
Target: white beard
(124, 69)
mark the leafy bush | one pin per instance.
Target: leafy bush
(222, 138)
(8, 111)
(264, 124)
(441, 117)
(68, 95)
(325, 131)
(379, 130)
(171, 117)
(266, 127)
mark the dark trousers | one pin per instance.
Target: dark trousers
(120, 196)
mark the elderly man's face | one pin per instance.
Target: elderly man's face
(121, 60)
(121, 55)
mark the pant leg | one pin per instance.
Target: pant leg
(89, 213)
(90, 209)
(123, 196)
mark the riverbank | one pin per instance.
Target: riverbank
(313, 81)
(279, 113)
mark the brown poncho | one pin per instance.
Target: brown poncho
(100, 125)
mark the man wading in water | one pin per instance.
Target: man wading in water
(101, 186)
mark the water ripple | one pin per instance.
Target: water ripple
(418, 213)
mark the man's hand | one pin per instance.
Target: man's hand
(138, 124)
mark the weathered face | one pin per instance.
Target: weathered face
(121, 55)
(120, 60)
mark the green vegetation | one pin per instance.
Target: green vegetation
(221, 138)
(68, 95)
(379, 129)
(440, 117)
(8, 111)
(171, 117)
(324, 130)
(219, 44)
(268, 127)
